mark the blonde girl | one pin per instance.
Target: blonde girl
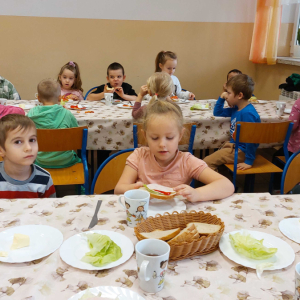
(70, 81)
(166, 61)
(162, 163)
(159, 86)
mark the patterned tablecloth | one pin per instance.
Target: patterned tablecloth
(110, 127)
(212, 276)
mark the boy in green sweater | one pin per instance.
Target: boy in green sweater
(53, 116)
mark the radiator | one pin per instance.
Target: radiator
(285, 95)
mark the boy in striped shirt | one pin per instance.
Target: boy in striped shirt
(19, 176)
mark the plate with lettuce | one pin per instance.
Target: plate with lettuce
(257, 250)
(107, 292)
(96, 250)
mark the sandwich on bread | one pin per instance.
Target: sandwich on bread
(109, 89)
(159, 191)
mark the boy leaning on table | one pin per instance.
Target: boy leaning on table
(239, 91)
(116, 85)
(19, 176)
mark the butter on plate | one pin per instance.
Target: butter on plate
(20, 241)
(3, 254)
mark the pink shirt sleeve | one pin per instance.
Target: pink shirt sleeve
(194, 166)
(133, 159)
(295, 114)
(80, 95)
(138, 110)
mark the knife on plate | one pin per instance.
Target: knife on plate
(95, 216)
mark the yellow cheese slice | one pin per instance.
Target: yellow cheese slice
(20, 241)
(3, 253)
(22, 105)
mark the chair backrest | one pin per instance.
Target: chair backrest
(187, 139)
(61, 139)
(89, 91)
(291, 173)
(110, 171)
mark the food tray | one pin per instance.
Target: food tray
(201, 246)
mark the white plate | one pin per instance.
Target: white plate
(80, 107)
(203, 107)
(111, 292)
(75, 247)
(291, 228)
(44, 240)
(287, 110)
(27, 106)
(122, 106)
(284, 256)
(157, 206)
(180, 101)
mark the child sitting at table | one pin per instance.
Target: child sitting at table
(19, 176)
(7, 110)
(159, 87)
(166, 61)
(239, 91)
(51, 115)
(116, 85)
(70, 81)
(162, 163)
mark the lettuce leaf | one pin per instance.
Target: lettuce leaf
(199, 106)
(152, 191)
(248, 246)
(102, 250)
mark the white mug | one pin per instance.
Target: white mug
(212, 104)
(3, 101)
(280, 107)
(297, 281)
(136, 206)
(108, 98)
(152, 258)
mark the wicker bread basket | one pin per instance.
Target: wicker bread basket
(203, 245)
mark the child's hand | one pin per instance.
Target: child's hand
(191, 96)
(119, 91)
(74, 97)
(143, 90)
(107, 91)
(187, 191)
(224, 95)
(243, 166)
(137, 185)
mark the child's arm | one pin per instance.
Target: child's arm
(219, 110)
(99, 96)
(130, 94)
(217, 187)
(137, 110)
(127, 181)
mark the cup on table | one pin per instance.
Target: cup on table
(108, 98)
(3, 101)
(136, 206)
(280, 107)
(152, 260)
(212, 104)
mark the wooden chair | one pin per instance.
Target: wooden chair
(187, 139)
(259, 133)
(89, 91)
(291, 173)
(63, 140)
(109, 172)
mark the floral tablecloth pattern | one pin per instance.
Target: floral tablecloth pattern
(212, 276)
(110, 127)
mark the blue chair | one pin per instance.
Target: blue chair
(88, 92)
(109, 172)
(64, 140)
(257, 133)
(291, 173)
(138, 137)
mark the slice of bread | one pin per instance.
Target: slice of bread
(188, 234)
(160, 234)
(204, 228)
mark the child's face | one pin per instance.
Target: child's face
(115, 78)
(21, 147)
(67, 79)
(169, 66)
(233, 99)
(163, 136)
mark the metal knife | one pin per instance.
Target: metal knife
(95, 216)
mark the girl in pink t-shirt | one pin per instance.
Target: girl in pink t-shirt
(164, 164)
(70, 81)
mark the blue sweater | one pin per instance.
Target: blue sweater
(247, 114)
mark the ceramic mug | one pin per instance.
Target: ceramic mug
(280, 107)
(152, 258)
(297, 281)
(108, 98)
(136, 206)
(3, 101)
(212, 104)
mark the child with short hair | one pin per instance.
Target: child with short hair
(70, 81)
(19, 176)
(51, 115)
(162, 163)
(159, 87)
(239, 91)
(116, 85)
(166, 61)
